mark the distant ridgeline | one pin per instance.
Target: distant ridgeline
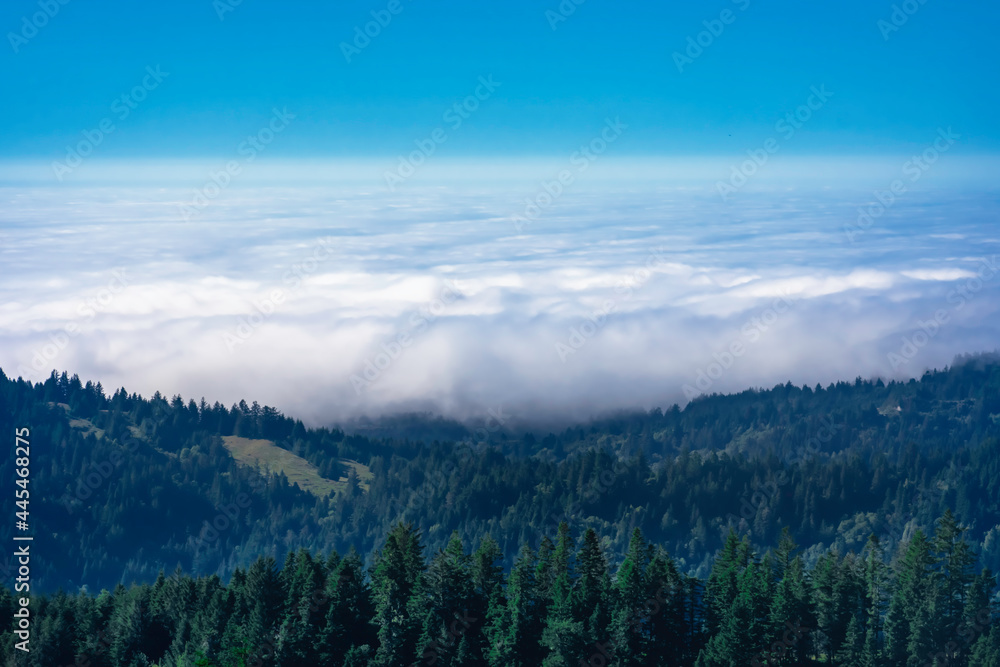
(125, 486)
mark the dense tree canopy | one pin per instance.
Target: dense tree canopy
(560, 605)
(124, 486)
(891, 489)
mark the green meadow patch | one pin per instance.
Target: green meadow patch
(267, 455)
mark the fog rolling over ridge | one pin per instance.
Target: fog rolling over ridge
(338, 301)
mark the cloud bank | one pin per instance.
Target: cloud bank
(333, 301)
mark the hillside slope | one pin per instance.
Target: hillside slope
(124, 485)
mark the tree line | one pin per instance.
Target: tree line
(561, 603)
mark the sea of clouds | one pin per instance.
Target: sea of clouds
(330, 296)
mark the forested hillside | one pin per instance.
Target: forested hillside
(124, 486)
(561, 604)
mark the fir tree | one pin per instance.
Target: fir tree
(907, 629)
(629, 635)
(397, 579)
(875, 583)
(563, 635)
(515, 631)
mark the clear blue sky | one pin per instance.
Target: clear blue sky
(557, 86)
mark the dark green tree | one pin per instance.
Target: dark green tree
(908, 638)
(629, 634)
(346, 623)
(397, 580)
(515, 630)
(446, 605)
(563, 636)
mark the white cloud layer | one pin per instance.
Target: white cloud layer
(615, 296)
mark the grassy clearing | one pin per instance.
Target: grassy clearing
(298, 471)
(87, 426)
(364, 473)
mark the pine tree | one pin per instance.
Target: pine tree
(590, 598)
(446, 604)
(733, 644)
(694, 635)
(907, 630)
(665, 609)
(875, 594)
(350, 608)
(264, 598)
(977, 615)
(545, 571)
(954, 573)
(127, 628)
(720, 590)
(563, 636)
(629, 636)
(488, 598)
(359, 656)
(986, 649)
(306, 611)
(54, 636)
(397, 577)
(515, 631)
(853, 648)
(790, 602)
(837, 596)
(920, 645)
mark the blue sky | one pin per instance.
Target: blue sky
(557, 87)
